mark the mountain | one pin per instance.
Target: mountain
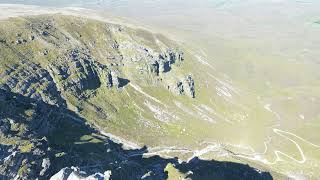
(89, 99)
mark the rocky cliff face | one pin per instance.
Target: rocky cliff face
(75, 173)
(25, 125)
(49, 59)
(44, 62)
(29, 79)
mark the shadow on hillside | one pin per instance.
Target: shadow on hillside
(123, 82)
(73, 143)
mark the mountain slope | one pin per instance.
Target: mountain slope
(59, 60)
(39, 140)
(68, 82)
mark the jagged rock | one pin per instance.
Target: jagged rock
(32, 37)
(20, 165)
(184, 87)
(171, 56)
(29, 159)
(4, 152)
(109, 81)
(164, 65)
(189, 86)
(114, 45)
(74, 173)
(179, 55)
(21, 41)
(45, 33)
(45, 165)
(33, 81)
(165, 60)
(179, 88)
(115, 79)
(5, 126)
(63, 174)
(112, 79)
(45, 52)
(153, 68)
(78, 71)
(135, 53)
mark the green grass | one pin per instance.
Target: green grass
(26, 148)
(22, 170)
(173, 173)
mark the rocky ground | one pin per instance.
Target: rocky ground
(39, 140)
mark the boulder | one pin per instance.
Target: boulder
(164, 65)
(109, 82)
(115, 79)
(153, 68)
(179, 88)
(179, 55)
(74, 173)
(112, 79)
(189, 87)
(63, 174)
(45, 166)
(184, 87)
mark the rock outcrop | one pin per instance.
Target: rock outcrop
(24, 162)
(31, 80)
(74, 173)
(77, 72)
(189, 86)
(184, 86)
(75, 66)
(45, 166)
(163, 61)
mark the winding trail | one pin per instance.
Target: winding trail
(298, 137)
(216, 147)
(284, 134)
